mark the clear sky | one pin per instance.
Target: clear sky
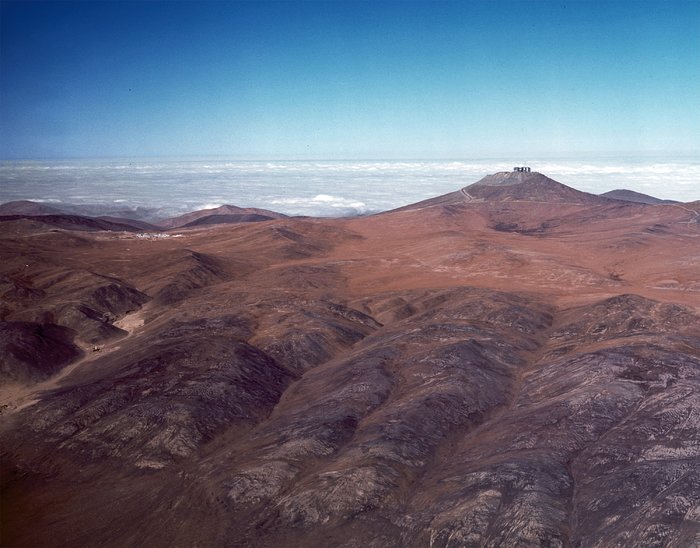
(349, 79)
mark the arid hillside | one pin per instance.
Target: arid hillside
(516, 363)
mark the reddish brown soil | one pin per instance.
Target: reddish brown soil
(511, 364)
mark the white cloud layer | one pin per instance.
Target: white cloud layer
(321, 204)
(209, 206)
(319, 188)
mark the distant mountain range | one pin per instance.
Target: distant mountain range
(67, 215)
(504, 187)
(77, 222)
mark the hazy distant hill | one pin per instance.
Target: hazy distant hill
(135, 223)
(26, 207)
(638, 197)
(76, 222)
(229, 218)
(98, 217)
(221, 214)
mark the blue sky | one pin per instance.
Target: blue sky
(349, 80)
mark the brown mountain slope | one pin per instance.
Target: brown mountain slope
(416, 378)
(135, 223)
(26, 207)
(106, 211)
(632, 196)
(529, 187)
(506, 186)
(76, 222)
(221, 214)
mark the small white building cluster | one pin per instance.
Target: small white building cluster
(152, 235)
(523, 169)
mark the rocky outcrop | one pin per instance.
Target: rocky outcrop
(32, 352)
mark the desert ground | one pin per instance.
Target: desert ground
(516, 363)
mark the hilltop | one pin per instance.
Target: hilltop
(221, 214)
(528, 187)
(632, 196)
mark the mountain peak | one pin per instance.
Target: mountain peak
(501, 178)
(526, 186)
(514, 186)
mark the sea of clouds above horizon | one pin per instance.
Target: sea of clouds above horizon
(314, 188)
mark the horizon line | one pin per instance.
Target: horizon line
(253, 158)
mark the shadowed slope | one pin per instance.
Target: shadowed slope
(33, 351)
(75, 222)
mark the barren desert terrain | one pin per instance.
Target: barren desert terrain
(516, 363)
